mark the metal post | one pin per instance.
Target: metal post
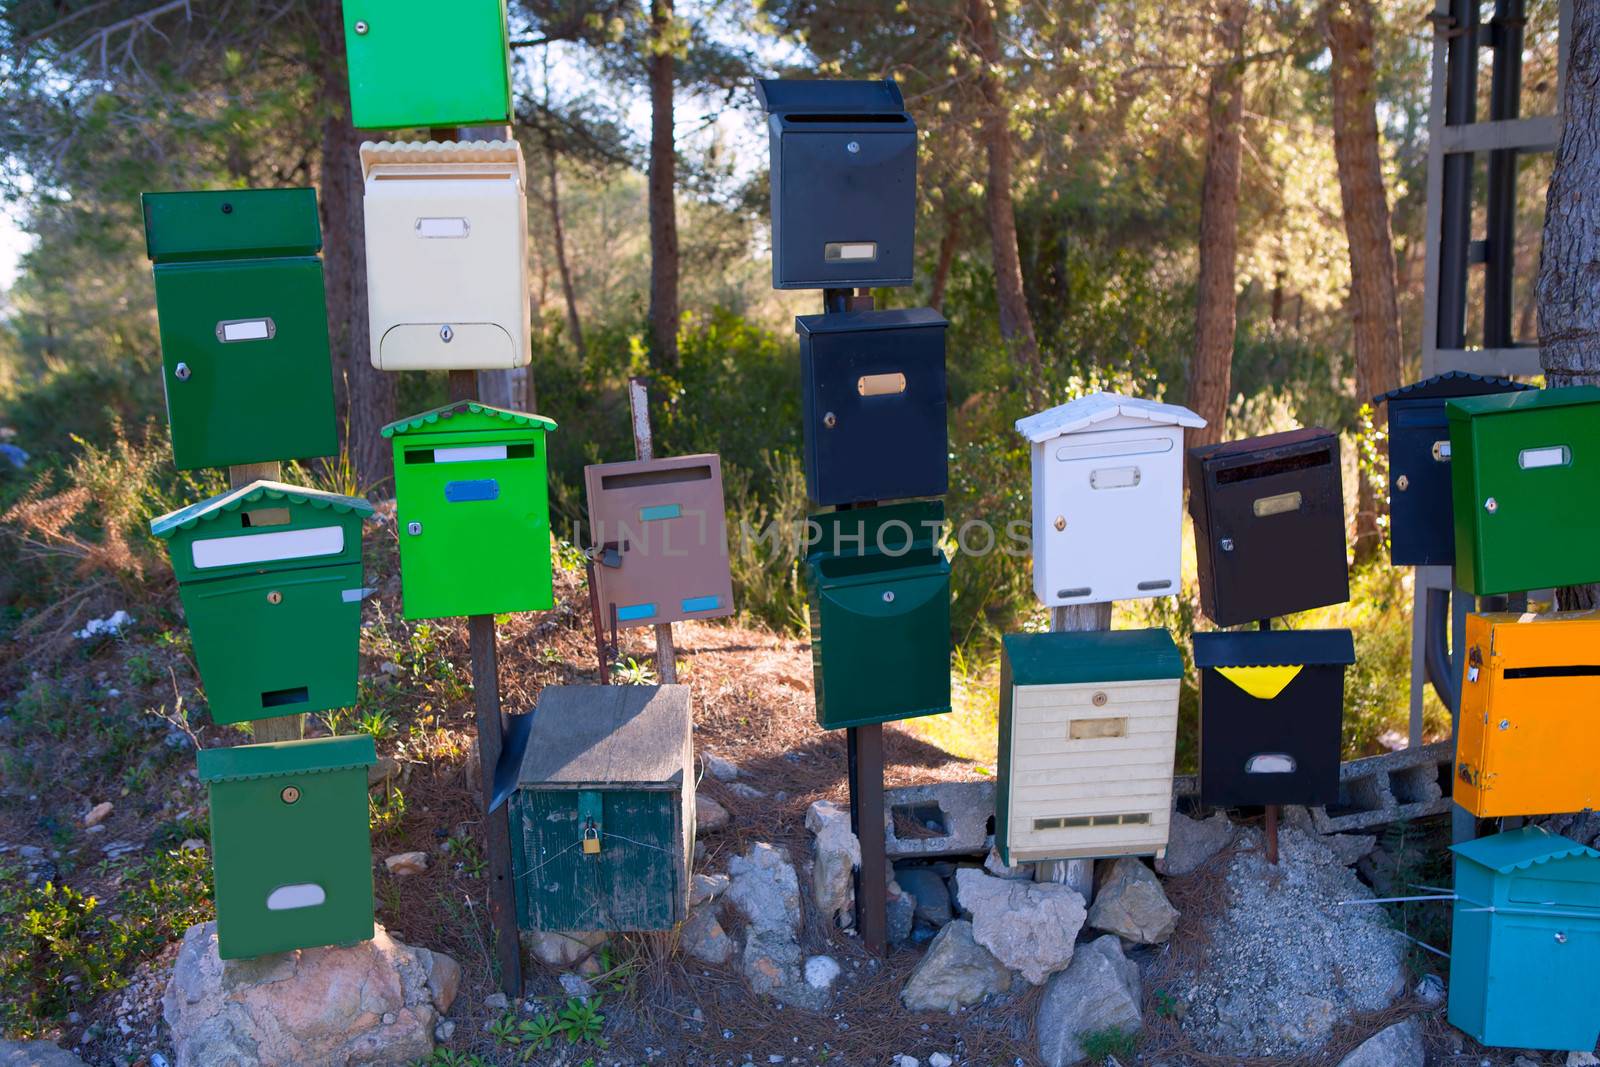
(1077, 873)
(1505, 95)
(1455, 234)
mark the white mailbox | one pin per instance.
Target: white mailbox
(447, 254)
(1107, 498)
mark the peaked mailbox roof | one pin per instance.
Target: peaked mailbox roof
(472, 416)
(1453, 383)
(1086, 412)
(1273, 648)
(209, 510)
(432, 153)
(1520, 849)
(1500, 403)
(276, 758)
(830, 95)
(1092, 656)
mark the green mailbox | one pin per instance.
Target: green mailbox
(473, 511)
(244, 325)
(270, 577)
(1525, 475)
(879, 592)
(422, 63)
(289, 844)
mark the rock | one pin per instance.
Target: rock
(1399, 1045)
(907, 1061)
(901, 913)
(35, 1054)
(821, 813)
(956, 972)
(496, 1002)
(576, 986)
(931, 893)
(562, 949)
(386, 768)
(318, 1005)
(835, 855)
(1191, 842)
(97, 814)
(764, 888)
(1098, 991)
(1029, 926)
(745, 791)
(1349, 849)
(192, 844)
(940, 819)
(706, 887)
(709, 815)
(994, 866)
(723, 770)
(1430, 990)
(404, 864)
(821, 972)
(1582, 1059)
(939, 1059)
(445, 1030)
(1131, 904)
(703, 937)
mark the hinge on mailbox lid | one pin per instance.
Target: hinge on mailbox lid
(590, 820)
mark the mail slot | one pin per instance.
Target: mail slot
(1525, 941)
(602, 816)
(1526, 478)
(447, 255)
(413, 63)
(658, 529)
(472, 511)
(873, 405)
(1421, 530)
(1529, 737)
(1271, 715)
(1088, 730)
(244, 325)
(289, 844)
(1268, 525)
(879, 594)
(1107, 498)
(844, 183)
(270, 578)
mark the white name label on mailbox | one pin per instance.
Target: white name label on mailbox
(468, 453)
(266, 547)
(456, 227)
(245, 330)
(1534, 458)
(849, 251)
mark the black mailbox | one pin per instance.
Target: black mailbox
(1268, 525)
(873, 404)
(844, 183)
(1421, 531)
(1271, 715)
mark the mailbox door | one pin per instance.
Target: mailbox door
(413, 63)
(473, 519)
(845, 198)
(874, 415)
(1109, 523)
(1541, 985)
(244, 354)
(1282, 750)
(1422, 532)
(276, 644)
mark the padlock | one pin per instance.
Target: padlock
(591, 841)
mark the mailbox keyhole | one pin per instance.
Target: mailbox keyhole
(853, 147)
(830, 420)
(181, 372)
(290, 794)
(275, 597)
(888, 596)
(361, 29)
(414, 528)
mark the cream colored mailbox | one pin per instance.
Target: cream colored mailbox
(1107, 498)
(447, 254)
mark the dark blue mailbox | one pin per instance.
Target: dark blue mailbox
(873, 404)
(844, 183)
(1422, 532)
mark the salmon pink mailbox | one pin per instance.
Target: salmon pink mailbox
(1107, 498)
(447, 255)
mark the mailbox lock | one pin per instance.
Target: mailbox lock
(591, 841)
(1061, 522)
(414, 528)
(290, 794)
(227, 209)
(1491, 505)
(888, 596)
(446, 334)
(1561, 938)
(830, 420)
(853, 147)
(181, 372)
(274, 597)
(1099, 700)
(1402, 483)
(1227, 544)
(361, 29)
(1505, 724)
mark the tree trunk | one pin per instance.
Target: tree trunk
(994, 134)
(365, 394)
(1212, 362)
(947, 258)
(662, 192)
(574, 324)
(1374, 303)
(1569, 271)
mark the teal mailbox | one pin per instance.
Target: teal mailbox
(1525, 941)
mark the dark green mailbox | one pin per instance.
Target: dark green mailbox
(423, 63)
(1525, 477)
(473, 511)
(290, 845)
(270, 577)
(879, 592)
(602, 812)
(244, 325)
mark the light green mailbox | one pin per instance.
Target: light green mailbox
(270, 577)
(423, 63)
(290, 845)
(472, 510)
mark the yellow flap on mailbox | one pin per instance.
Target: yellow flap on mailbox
(1263, 683)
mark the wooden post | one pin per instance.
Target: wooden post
(1076, 874)
(281, 727)
(644, 449)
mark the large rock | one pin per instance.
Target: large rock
(931, 893)
(940, 819)
(35, 1054)
(556, 948)
(1099, 991)
(1399, 1045)
(709, 814)
(835, 855)
(767, 893)
(703, 937)
(375, 1002)
(900, 913)
(1131, 904)
(1191, 842)
(956, 972)
(1029, 926)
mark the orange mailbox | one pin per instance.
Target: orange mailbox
(659, 534)
(1530, 715)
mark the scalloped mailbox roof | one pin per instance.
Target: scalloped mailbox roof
(209, 510)
(1521, 849)
(466, 415)
(433, 153)
(276, 759)
(1086, 412)
(1451, 384)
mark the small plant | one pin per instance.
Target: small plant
(631, 672)
(1166, 1004)
(443, 1057)
(387, 810)
(505, 1030)
(540, 1033)
(582, 1022)
(1099, 1044)
(380, 724)
(468, 856)
(338, 720)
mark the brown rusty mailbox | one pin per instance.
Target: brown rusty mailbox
(659, 533)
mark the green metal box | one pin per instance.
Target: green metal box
(421, 63)
(244, 325)
(1525, 477)
(472, 510)
(290, 845)
(270, 577)
(602, 816)
(879, 594)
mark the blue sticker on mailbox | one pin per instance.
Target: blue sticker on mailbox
(701, 603)
(635, 611)
(660, 511)
(477, 489)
